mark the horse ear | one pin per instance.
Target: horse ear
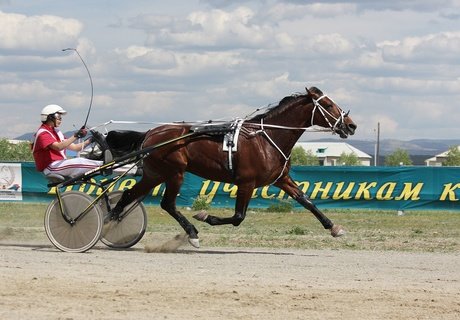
(308, 91)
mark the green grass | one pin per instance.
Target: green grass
(416, 231)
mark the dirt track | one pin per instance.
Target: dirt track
(40, 282)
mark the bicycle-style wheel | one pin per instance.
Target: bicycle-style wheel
(84, 233)
(129, 229)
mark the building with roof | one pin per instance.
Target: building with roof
(438, 159)
(329, 153)
(15, 141)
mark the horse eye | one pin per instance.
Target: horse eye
(329, 106)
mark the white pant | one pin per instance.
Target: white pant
(77, 166)
(72, 167)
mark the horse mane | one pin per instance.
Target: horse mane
(283, 104)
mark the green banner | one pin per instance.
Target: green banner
(397, 188)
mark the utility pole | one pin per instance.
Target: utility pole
(377, 146)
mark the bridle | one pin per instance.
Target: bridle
(326, 114)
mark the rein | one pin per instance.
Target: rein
(210, 122)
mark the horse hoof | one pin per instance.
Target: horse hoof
(201, 216)
(337, 231)
(194, 242)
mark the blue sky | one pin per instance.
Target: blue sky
(393, 62)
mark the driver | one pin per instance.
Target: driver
(50, 145)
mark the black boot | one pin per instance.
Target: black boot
(107, 159)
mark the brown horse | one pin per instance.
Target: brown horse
(262, 157)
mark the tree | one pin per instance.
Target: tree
(15, 151)
(348, 159)
(453, 157)
(397, 158)
(300, 157)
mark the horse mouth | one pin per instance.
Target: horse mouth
(345, 130)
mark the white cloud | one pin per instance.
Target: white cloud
(369, 60)
(215, 28)
(433, 48)
(148, 58)
(288, 11)
(272, 88)
(169, 63)
(151, 103)
(152, 21)
(329, 45)
(417, 87)
(25, 90)
(37, 33)
(388, 123)
(394, 5)
(393, 62)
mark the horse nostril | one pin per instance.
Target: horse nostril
(352, 127)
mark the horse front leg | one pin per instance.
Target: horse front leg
(168, 203)
(243, 196)
(288, 185)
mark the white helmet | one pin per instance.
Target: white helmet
(51, 109)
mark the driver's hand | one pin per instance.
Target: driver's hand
(80, 133)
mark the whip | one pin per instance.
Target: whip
(90, 80)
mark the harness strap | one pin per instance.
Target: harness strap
(316, 106)
(231, 141)
(286, 158)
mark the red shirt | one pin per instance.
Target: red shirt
(43, 154)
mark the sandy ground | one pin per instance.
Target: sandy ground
(40, 282)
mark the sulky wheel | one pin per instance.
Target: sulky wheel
(81, 235)
(129, 228)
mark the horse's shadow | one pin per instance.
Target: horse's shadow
(211, 251)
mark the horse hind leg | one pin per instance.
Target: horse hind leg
(138, 191)
(168, 203)
(242, 201)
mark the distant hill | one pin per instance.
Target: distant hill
(25, 136)
(29, 136)
(421, 147)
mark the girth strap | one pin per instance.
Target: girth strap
(231, 141)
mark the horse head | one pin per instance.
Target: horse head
(326, 113)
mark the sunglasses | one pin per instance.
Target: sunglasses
(57, 116)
